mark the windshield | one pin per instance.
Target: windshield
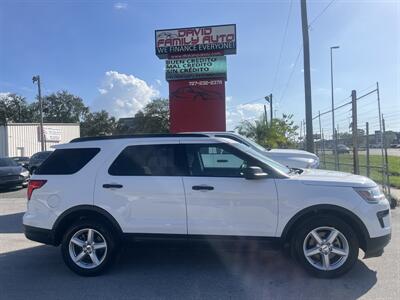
(7, 162)
(254, 144)
(272, 163)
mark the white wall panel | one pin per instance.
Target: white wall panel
(25, 137)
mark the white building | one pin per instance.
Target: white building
(23, 139)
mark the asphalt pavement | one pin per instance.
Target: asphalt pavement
(29, 270)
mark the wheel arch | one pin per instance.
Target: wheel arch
(82, 212)
(333, 210)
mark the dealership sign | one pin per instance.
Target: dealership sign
(50, 134)
(196, 67)
(220, 38)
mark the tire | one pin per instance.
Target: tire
(84, 257)
(330, 258)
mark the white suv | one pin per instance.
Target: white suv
(93, 193)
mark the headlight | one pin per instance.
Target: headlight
(25, 173)
(371, 195)
(313, 163)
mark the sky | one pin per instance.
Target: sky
(103, 51)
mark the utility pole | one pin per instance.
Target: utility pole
(265, 115)
(269, 100)
(333, 114)
(42, 141)
(356, 165)
(307, 78)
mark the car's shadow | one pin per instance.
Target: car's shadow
(11, 223)
(165, 270)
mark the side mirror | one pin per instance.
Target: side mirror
(254, 173)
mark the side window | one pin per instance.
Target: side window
(66, 161)
(214, 160)
(147, 160)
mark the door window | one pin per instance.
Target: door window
(147, 160)
(215, 160)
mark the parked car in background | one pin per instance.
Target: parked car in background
(21, 160)
(12, 174)
(342, 149)
(37, 159)
(291, 158)
(93, 193)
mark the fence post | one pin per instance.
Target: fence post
(337, 162)
(386, 158)
(356, 164)
(367, 146)
(323, 148)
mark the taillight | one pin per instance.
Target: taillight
(34, 184)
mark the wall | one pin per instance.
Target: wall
(26, 136)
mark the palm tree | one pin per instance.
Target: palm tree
(281, 133)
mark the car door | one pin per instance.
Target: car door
(220, 201)
(141, 186)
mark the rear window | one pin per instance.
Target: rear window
(66, 161)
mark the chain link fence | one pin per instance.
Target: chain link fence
(359, 143)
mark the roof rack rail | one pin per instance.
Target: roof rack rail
(135, 136)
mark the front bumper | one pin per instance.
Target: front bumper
(41, 235)
(374, 246)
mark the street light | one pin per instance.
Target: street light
(333, 114)
(37, 79)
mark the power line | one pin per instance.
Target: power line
(248, 102)
(320, 14)
(290, 76)
(282, 45)
(280, 56)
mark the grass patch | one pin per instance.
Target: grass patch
(346, 165)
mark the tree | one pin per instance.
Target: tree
(98, 123)
(60, 107)
(154, 118)
(281, 133)
(14, 108)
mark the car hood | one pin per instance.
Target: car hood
(290, 152)
(333, 178)
(13, 170)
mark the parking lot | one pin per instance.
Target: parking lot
(29, 270)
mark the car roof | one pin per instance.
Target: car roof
(136, 136)
(126, 140)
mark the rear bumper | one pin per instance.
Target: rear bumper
(374, 246)
(44, 236)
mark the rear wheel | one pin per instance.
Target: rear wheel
(88, 248)
(326, 246)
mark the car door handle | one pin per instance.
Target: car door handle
(202, 187)
(112, 186)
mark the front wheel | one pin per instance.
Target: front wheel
(88, 248)
(326, 246)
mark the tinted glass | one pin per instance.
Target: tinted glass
(147, 160)
(7, 162)
(215, 160)
(66, 161)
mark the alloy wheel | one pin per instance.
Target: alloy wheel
(88, 248)
(326, 248)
